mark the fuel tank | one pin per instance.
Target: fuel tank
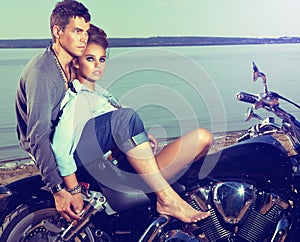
(262, 159)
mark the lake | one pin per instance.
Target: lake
(174, 89)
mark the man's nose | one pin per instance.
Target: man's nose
(84, 37)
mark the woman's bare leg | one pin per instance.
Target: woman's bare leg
(168, 201)
(183, 151)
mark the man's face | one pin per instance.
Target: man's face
(75, 36)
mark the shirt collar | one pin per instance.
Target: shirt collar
(77, 85)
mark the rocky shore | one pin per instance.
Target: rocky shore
(18, 170)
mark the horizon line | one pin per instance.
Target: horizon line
(183, 36)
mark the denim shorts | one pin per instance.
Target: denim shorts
(117, 131)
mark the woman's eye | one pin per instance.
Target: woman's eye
(90, 59)
(102, 59)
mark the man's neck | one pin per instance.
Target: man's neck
(63, 57)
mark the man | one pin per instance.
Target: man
(41, 88)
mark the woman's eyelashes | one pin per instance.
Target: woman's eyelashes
(91, 59)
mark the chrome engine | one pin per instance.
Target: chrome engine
(239, 212)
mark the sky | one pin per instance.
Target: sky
(148, 18)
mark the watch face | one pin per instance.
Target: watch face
(56, 188)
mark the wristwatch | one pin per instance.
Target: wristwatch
(56, 188)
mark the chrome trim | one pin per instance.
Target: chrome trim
(271, 199)
(96, 204)
(5, 192)
(233, 199)
(155, 228)
(281, 230)
(201, 198)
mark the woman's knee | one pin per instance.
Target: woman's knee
(205, 137)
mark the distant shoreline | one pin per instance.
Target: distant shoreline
(159, 41)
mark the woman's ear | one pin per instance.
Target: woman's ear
(75, 67)
(75, 63)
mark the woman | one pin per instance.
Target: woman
(91, 114)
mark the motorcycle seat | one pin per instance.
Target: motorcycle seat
(125, 198)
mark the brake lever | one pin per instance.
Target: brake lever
(268, 100)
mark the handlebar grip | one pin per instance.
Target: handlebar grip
(246, 97)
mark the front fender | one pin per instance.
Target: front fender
(21, 191)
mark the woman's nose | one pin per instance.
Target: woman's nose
(97, 64)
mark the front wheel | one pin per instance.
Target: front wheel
(26, 223)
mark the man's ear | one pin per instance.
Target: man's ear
(56, 31)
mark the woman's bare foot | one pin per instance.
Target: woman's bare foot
(172, 204)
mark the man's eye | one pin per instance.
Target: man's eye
(102, 59)
(90, 59)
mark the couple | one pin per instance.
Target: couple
(53, 111)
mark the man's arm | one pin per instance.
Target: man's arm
(41, 100)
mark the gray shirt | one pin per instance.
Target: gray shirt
(40, 91)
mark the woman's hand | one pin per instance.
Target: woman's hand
(153, 143)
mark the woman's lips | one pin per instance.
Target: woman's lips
(97, 73)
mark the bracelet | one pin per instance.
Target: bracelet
(75, 190)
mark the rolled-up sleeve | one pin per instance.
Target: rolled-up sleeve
(63, 140)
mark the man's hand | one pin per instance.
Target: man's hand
(66, 204)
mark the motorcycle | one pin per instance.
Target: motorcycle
(250, 188)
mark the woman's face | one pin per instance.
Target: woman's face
(92, 63)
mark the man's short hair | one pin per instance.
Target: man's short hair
(65, 10)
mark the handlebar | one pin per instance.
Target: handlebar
(246, 97)
(270, 102)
